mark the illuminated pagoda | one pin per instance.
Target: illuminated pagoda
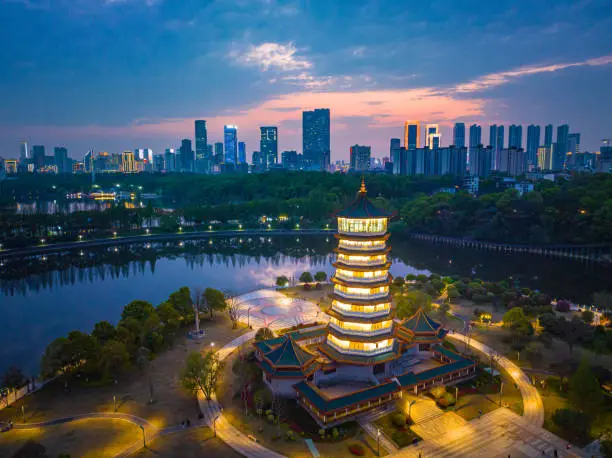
(360, 338)
(364, 357)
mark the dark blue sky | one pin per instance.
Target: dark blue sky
(121, 74)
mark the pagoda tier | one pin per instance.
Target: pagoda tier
(361, 322)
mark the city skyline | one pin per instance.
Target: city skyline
(119, 94)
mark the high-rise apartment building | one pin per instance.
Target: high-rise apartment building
(128, 164)
(548, 135)
(545, 155)
(201, 147)
(268, 145)
(433, 137)
(515, 136)
(561, 150)
(242, 153)
(459, 134)
(61, 159)
(186, 156)
(573, 151)
(360, 158)
(533, 143)
(316, 150)
(218, 156)
(230, 140)
(496, 140)
(481, 159)
(170, 159)
(412, 134)
(38, 156)
(475, 136)
(513, 161)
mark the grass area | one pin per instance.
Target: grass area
(86, 438)
(190, 443)
(402, 436)
(318, 296)
(171, 403)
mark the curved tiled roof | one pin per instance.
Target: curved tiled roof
(289, 354)
(362, 207)
(420, 322)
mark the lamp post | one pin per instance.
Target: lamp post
(215, 425)
(378, 440)
(144, 440)
(249, 317)
(410, 404)
(501, 388)
(114, 403)
(23, 413)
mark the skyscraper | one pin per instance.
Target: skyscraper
(38, 156)
(433, 137)
(496, 140)
(24, 153)
(218, 153)
(360, 158)
(459, 134)
(268, 145)
(561, 150)
(533, 142)
(412, 134)
(394, 152)
(573, 150)
(186, 155)
(201, 147)
(61, 159)
(316, 139)
(170, 160)
(230, 137)
(289, 159)
(548, 135)
(545, 157)
(515, 136)
(242, 153)
(481, 159)
(475, 136)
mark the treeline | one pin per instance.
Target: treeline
(576, 211)
(142, 332)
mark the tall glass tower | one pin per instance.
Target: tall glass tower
(230, 137)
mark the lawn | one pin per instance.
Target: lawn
(86, 438)
(402, 436)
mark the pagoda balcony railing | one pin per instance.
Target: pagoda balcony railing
(353, 332)
(361, 296)
(365, 249)
(362, 279)
(352, 351)
(356, 314)
(362, 233)
(360, 263)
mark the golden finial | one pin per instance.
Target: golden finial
(363, 186)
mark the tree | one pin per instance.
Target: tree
(306, 277)
(399, 281)
(282, 281)
(320, 276)
(103, 331)
(575, 425)
(264, 334)
(215, 300)
(201, 373)
(572, 331)
(13, 378)
(114, 358)
(514, 316)
(584, 392)
(407, 304)
(169, 316)
(181, 301)
(139, 310)
(231, 305)
(588, 316)
(56, 358)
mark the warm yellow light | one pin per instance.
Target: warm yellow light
(364, 327)
(352, 290)
(355, 226)
(342, 307)
(364, 245)
(360, 346)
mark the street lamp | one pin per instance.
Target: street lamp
(114, 403)
(114, 234)
(378, 440)
(42, 241)
(249, 317)
(240, 226)
(297, 227)
(215, 425)
(147, 231)
(80, 237)
(209, 227)
(180, 228)
(410, 404)
(144, 440)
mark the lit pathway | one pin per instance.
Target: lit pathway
(225, 431)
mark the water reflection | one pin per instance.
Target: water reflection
(52, 207)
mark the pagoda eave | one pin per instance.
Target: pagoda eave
(341, 250)
(369, 301)
(381, 266)
(361, 284)
(360, 360)
(359, 319)
(361, 238)
(357, 338)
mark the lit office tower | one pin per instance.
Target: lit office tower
(515, 136)
(412, 134)
(533, 142)
(61, 159)
(573, 151)
(316, 139)
(268, 146)
(360, 158)
(548, 135)
(433, 137)
(186, 155)
(170, 160)
(201, 146)
(24, 153)
(475, 136)
(242, 153)
(218, 153)
(558, 162)
(459, 134)
(230, 139)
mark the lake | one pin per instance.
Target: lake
(45, 298)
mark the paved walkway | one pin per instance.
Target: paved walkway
(213, 414)
(431, 422)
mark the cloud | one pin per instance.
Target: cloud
(498, 79)
(272, 55)
(359, 51)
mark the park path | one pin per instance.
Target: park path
(213, 414)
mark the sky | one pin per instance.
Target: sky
(123, 74)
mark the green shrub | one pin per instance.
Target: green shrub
(438, 391)
(335, 433)
(270, 418)
(450, 399)
(575, 425)
(398, 419)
